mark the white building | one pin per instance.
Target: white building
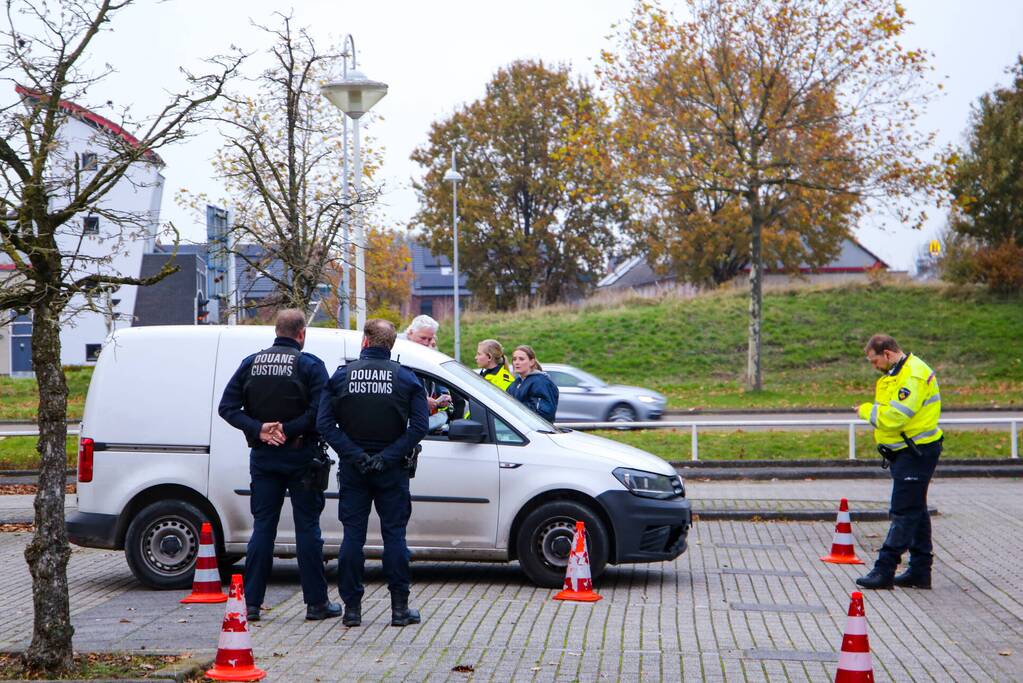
(113, 234)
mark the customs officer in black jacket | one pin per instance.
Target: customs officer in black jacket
(373, 414)
(273, 398)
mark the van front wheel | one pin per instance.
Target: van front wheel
(545, 541)
(162, 544)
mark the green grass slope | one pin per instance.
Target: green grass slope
(694, 350)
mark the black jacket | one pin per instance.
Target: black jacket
(314, 375)
(538, 392)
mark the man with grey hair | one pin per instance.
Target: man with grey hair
(423, 331)
(273, 399)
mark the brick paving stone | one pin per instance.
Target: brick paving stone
(664, 622)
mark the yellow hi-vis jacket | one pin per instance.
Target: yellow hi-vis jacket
(499, 377)
(908, 402)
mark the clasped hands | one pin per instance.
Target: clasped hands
(367, 464)
(272, 434)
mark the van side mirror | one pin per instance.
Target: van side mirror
(468, 431)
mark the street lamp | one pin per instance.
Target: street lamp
(454, 177)
(355, 95)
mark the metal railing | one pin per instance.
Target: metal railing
(851, 424)
(4, 433)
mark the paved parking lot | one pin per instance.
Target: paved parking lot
(749, 601)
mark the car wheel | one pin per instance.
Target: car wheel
(621, 412)
(162, 544)
(545, 541)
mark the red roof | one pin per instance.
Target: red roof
(97, 121)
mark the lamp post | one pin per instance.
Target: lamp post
(454, 177)
(355, 94)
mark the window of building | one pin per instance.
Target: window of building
(92, 352)
(90, 225)
(89, 162)
(426, 307)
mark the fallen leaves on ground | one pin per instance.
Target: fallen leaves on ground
(28, 489)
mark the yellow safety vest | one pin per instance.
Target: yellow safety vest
(502, 379)
(906, 402)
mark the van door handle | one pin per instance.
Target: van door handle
(510, 465)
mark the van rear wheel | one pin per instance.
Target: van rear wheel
(162, 544)
(544, 542)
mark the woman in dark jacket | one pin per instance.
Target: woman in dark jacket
(533, 387)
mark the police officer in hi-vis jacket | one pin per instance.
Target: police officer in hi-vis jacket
(905, 414)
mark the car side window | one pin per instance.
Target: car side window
(462, 407)
(563, 379)
(505, 435)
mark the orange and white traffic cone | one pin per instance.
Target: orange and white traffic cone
(578, 582)
(842, 551)
(854, 664)
(234, 651)
(206, 582)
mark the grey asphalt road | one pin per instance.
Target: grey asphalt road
(995, 416)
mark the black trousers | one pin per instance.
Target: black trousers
(273, 473)
(388, 492)
(910, 523)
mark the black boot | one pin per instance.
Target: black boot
(876, 579)
(401, 615)
(913, 579)
(327, 610)
(353, 615)
(252, 612)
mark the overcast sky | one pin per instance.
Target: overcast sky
(436, 56)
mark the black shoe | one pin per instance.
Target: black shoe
(252, 612)
(401, 615)
(328, 610)
(875, 579)
(911, 579)
(353, 615)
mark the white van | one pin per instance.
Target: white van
(156, 460)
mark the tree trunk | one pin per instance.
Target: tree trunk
(47, 555)
(754, 380)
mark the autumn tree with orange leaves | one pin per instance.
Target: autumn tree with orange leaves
(388, 275)
(757, 132)
(540, 204)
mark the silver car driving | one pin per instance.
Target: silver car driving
(585, 398)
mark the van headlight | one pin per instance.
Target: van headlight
(650, 485)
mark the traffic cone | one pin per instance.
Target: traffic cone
(234, 651)
(206, 582)
(854, 665)
(842, 546)
(578, 583)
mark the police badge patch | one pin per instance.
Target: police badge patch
(903, 394)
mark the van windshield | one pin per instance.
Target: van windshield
(480, 386)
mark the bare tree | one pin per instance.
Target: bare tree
(44, 192)
(281, 161)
